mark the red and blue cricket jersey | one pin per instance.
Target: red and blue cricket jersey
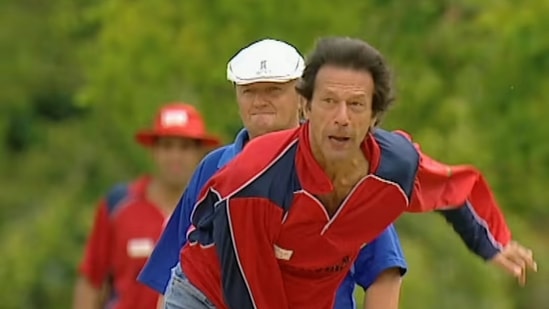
(261, 239)
(124, 233)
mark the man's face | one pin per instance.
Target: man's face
(176, 159)
(341, 111)
(268, 107)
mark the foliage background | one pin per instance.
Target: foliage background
(79, 77)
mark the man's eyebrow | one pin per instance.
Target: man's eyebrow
(361, 95)
(328, 92)
(353, 95)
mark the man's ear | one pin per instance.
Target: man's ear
(302, 107)
(374, 123)
(305, 108)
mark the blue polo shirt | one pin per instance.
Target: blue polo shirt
(383, 253)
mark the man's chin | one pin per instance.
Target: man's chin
(337, 155)
(264, 128)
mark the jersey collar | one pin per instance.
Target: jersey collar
(235, 148)
(311, 175)
(140, 186)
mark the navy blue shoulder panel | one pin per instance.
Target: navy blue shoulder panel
(399, 160)
(278, 183)
(115, 196)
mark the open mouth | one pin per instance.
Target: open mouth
(339, 139)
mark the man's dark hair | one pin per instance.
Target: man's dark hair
(353, 54)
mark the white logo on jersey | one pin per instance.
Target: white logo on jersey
(282, 254)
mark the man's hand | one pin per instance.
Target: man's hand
(516, 260)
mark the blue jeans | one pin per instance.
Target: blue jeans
(181, 294)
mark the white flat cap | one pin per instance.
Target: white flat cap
(267, 60)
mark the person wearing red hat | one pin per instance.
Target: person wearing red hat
(131, 217)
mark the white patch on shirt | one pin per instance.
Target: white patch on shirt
(140, 247)
(282, 254)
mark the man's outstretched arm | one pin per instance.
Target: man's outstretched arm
(463, 196)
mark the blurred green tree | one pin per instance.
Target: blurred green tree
(471, 79)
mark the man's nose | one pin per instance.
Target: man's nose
(342, 114)
(259, 100)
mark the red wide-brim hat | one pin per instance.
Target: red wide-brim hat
(178, 120)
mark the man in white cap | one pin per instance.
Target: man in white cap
(265, 75)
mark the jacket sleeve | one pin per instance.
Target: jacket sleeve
(96, 263)
(157, 270)
(384, 253)
(244, 233)
(464, 198)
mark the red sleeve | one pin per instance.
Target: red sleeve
(462, 194)
(246, 229)
(95, 263)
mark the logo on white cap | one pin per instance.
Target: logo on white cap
(175, 118)
(262, 68)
